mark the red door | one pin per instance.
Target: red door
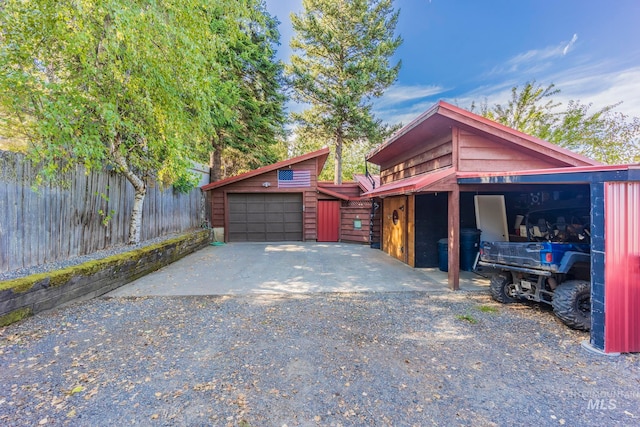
(328, 220)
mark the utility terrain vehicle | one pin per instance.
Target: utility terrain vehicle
(551, 267)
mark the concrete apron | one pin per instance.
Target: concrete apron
(292, 267)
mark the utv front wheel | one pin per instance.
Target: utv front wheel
(502, 288)
(572, 304)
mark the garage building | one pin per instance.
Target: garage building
(284, 202)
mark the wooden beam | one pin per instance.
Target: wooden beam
(454, 239)
(410, 244)
(455, 151)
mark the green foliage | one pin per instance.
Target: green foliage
(255, 122)
(487, 309)
(14, 316)
(353, 159)
(343, 62)
(140, 86)
(605, 135)
(185, 183)
(467, 318)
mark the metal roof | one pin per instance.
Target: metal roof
(411, 185)
(365, 183)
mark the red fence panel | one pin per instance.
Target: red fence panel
(622, 267)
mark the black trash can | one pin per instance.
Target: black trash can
(469, 247)
(443, 254)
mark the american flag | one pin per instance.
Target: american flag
(289, 178)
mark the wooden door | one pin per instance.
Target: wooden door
(328, 220)
(394, 227)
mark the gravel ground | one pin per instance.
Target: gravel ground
(58, 265)
(377, 359)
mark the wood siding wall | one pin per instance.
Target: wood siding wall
(217, 199)
(423, 158)
(358, 210)
(53, 223)
(479, 154)
(349, 189)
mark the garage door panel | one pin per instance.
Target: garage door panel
(255, 217)
(291, 206)
(273, 217)
(276, 227)
(238, 208)
(292, 228)
(264, 217)
(291, 217)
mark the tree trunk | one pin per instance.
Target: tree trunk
(337, 179)
(135, 227)
(140, 188)
(215, 159)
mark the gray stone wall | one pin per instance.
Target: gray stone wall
(29, 295)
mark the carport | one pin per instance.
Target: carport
(614, 197)
(422, 203)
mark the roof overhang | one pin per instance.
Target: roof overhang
(332, 193)
(415, 184)
(321, 155)
(437, 122)
(572, 175)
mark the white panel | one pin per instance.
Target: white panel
(491, 218)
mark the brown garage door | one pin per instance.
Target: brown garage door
(272, 217)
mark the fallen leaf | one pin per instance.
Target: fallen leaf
(75, 390)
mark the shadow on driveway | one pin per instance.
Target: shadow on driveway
(293, 267)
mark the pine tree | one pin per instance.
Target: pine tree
(343, 61)
(255, 124)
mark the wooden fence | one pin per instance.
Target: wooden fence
(61, 220)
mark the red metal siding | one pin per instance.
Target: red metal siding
(328, 220)
(622, 267)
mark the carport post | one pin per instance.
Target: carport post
(454, 239)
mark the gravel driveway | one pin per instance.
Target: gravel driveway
(377, 359)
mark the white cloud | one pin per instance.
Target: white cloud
(598, 84)
(595, 84)
(399, 94)
(570, 44)
(602, 86)
(535, 60)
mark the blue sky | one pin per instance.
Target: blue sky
(465, 50)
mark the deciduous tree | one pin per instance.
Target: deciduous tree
(136, 85)
(604, 135)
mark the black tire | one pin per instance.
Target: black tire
(572, 304)
(502, 288)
